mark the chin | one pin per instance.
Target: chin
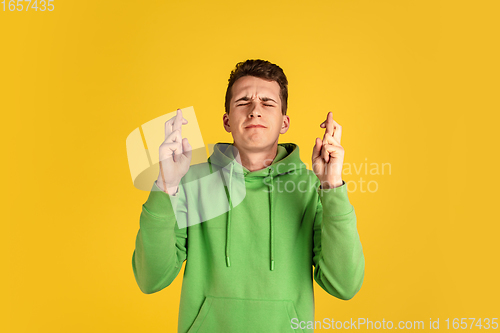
(254, 142)
(256, 145)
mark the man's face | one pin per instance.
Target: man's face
(255, 101)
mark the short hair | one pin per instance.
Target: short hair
(262, 69)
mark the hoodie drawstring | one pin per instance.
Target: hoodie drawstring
(228, 225)
(271, 234)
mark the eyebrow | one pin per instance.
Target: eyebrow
(247, 98)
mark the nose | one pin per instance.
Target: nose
(255, 112)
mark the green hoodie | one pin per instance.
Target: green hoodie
(252, 239)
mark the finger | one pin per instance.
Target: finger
(317, 149)
(331, 149)
(186, 147)
(177, 124)
(168, 127)
(171, 150)
(173, 147)
(176, 150)
(171, 123)
(325, 155)
(175, 136)
(184, 120)
(179, 121)
(323, 124)
(337, 135)
(330, 140)
(329, 123)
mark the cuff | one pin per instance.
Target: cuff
(335, 201)
(159, 203)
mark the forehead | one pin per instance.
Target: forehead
(249, 85)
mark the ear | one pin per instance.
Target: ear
(225, 121)
(285, 125)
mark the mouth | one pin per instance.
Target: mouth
(255, 126)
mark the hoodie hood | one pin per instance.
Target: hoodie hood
(225, 158)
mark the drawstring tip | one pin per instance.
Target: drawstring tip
(228, 263)
(272, 265)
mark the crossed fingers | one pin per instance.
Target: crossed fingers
(174, 124)
(332, 137)
(173, 133)
(333, 129)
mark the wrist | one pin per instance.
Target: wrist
(167, 188)
(172, 190)
(325, 185)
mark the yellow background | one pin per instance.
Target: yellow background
(413, 83)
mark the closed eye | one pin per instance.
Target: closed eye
(249, 103)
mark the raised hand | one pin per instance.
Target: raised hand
(328, 154)
(174, 155)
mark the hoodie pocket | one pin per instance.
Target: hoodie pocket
(231, 315)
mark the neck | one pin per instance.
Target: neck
(256, 160)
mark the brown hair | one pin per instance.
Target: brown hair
(262, 69)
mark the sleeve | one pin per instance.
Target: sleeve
(160, 246)
(339, 263)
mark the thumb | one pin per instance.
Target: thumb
(317, 148)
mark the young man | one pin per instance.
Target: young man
(252, 221)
